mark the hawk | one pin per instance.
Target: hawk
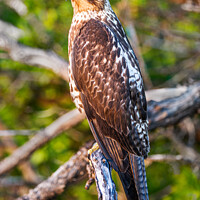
(106, 83)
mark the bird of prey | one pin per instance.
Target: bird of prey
(106, 83)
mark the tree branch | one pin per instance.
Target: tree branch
(34, 56)
(166, 112)
(165, 93)
(10, 30)
(72, 171)
(103, 178)
(171, 111)
(63, 123)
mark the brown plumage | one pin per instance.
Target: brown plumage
(106, 83)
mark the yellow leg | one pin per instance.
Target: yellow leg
(94, 148)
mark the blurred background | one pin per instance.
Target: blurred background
(166, 37)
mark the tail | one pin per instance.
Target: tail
(134, 179)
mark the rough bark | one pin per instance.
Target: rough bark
(171, 111)
(72, 171)
(105, 186)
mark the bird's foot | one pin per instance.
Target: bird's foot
(90, 168)
(94, 148)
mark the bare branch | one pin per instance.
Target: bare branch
(10, 30)
(74, 169)
(165, 93)
(34, 56)
(103, 178)
(171, 111)
(71, 171)
(63, 123)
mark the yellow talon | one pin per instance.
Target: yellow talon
(94, 148)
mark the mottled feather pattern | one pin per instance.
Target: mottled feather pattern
(106, 80)
(106, 83)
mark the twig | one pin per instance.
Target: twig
(72, 171)
(63, 123)
(29, 175)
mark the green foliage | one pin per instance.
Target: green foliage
(156, 176)
(186, 186)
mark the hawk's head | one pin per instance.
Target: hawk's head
(84, 5)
